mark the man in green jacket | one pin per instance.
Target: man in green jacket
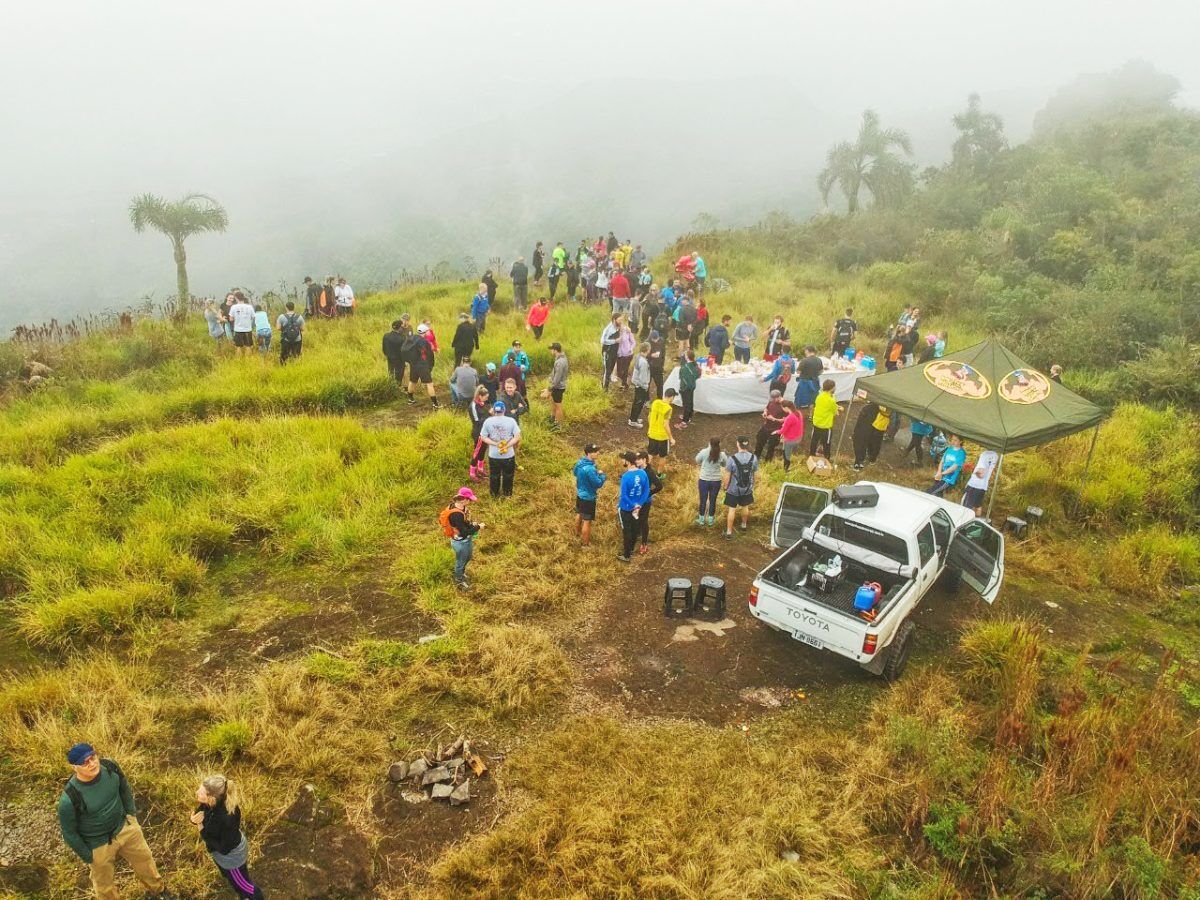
(99, 822)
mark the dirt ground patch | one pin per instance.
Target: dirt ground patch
(632, 655)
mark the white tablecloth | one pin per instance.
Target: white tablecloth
(726, 395)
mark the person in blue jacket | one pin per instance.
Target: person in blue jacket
(635, 493)
(480, 305)
(588, 480)
(782, 371)
(717, 339)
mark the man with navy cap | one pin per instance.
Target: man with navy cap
(502, 435)
(99, 822)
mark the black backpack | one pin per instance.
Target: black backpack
(76, 798)
(744, 474)
(290, 331)
(845, 329)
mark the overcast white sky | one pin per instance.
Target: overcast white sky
(103, 100)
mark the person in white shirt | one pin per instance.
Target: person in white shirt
(980, 476)
(241, 314)
(344, 295)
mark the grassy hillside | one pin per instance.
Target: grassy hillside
(208, 563)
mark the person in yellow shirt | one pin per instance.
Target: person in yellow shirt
(658, 430)
(825, 410)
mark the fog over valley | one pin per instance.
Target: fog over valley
(373, 139)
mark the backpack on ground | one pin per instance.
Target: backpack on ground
(290, 331)
(76, 798)
(444, 520)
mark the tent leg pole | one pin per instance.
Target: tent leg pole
(1087, 467)
(845, 424)
(995, 488)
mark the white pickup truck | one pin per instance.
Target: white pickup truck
(892, 536)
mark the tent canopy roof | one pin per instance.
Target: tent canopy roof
(985, 394)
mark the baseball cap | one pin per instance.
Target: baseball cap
(491, 367)
(590, 448)
(422, 328)
(466, 494)
(499, 407)
(80, 752)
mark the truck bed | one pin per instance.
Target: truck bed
(840, 598)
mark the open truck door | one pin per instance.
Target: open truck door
(977, 551)
(797, 508)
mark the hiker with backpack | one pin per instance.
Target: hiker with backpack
(99, 822)
(291, 332)
(740, 469)
(418, 353)
(219, 819)
(456, 524)
(842, 335)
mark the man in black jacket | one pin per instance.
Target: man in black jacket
(393, 350)
(519, 273)
(418, 353)
(539, 261)
(466, 337)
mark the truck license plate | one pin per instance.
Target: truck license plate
(811, 641)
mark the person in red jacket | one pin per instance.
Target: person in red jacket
(538, 314)
(620, 291)
(429, 335)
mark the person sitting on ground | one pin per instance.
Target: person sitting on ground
(949, 468)
(740, 471)
(463, 382)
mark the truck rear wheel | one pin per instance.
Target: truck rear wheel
(898, 652)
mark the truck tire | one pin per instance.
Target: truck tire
(898, 652)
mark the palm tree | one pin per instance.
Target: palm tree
(869, 162)
(178, 221)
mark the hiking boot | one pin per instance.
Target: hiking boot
(412, 399)
(711, 520)
(699, 520)
(463, 585)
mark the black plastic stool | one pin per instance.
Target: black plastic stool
(677, 599)
(710, 598)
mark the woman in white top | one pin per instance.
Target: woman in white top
(712, 464)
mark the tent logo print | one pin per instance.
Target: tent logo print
(1024, 386)
(958, 379)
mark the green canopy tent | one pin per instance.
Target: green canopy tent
(988, 395)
